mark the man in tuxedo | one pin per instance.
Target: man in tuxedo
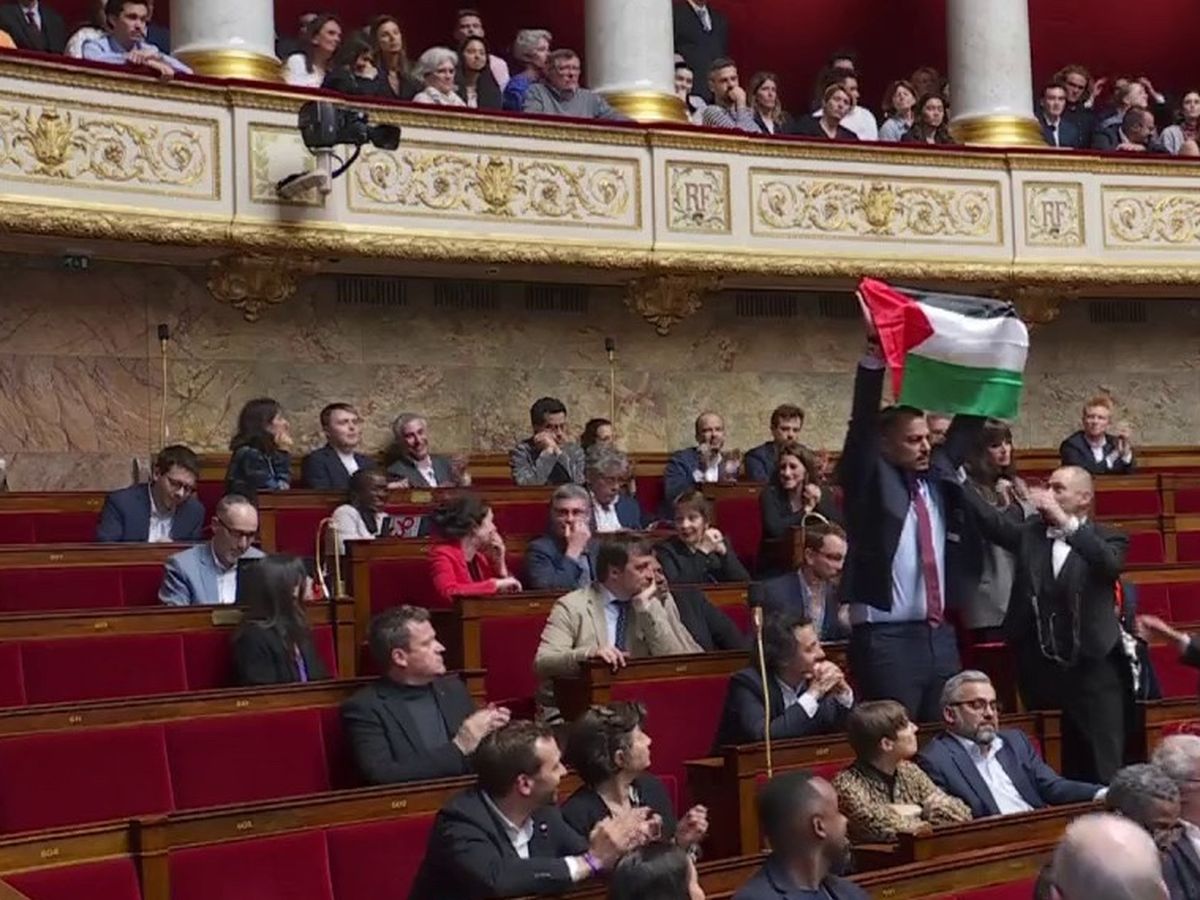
(704, 463)
(414, 466)
(34, 26)
(207, 574)
(701, 36)
(1092, 448)
(1057, 128)
(330, 467)
(787, 421)
(548, 457)
(164, 510)
(1178, 756)
(809, 694)
(415, 722)
(994, 771)
(612, 509)
(562, 558)
(504, 837)
(811, 590)
(1062, 618)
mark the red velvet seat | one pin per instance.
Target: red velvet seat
(66, 778)
(1145, 548)
(741, 520)
(240, 759)
(1130, 504)
(323, 643)
(110, 879)
(343, 771)
(650, 495)
(29, 590)
(287, 867)
(508, 646)
(522, 518)
(296, 529)
(1185, 602)
(740, 615)
(1012, 890)
(1187, 546)
(92, 668)
(16, 529)
(208, 659)
(208, 493)
(1154, 600)
(1175, 679)
(65, 527)
(377, 860)
(12, 678)
(140, 584)
(397, 581)
(1187, 500)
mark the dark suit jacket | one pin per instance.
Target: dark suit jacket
(711, 628)
(1075, 451)
(743, 720)
(949, 765)
(321, 470)
(778, 517)
(1069, 134)
(547, 566)
(682, 566)
(386, 743)
(125, 517)
(875, 502)
(1110, 138)
(585, 808)
(404, 468)
(260, 657)
(629, 513)
(771, 882)
(760, 461)
(1181, 869)
(699, 47)
(789, 593)
(677, 477)
(469, 857)
(251, 471)
(51, 38)
(810, 127)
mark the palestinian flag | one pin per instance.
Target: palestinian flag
(948, 352)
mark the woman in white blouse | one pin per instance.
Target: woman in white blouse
(437, 67)
(309, 68)
(363, 518)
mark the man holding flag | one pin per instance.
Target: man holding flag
(905, 512)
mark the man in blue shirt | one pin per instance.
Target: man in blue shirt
(126, 44)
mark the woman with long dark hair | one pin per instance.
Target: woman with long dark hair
(273, 644)
(309, 67)
(395, 75)
(470, 556)
(899, 103)
(794, 494)
(929, 123)
(769, 114)
(1183, 138)
(260, 460)
(354, 70)
(476, 83)
(655, 872)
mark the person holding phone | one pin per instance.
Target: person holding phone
(362, 517)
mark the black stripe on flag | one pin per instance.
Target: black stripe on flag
(963, 304)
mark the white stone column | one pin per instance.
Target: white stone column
(226, 38)
(630, 58)
(991, 82)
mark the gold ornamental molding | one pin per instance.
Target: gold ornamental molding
(698, 198)
(252, 283)
(1144, 218)
(1054, 214)
(664, 300)
(1039, 304)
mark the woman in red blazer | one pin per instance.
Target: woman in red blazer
(469, 559)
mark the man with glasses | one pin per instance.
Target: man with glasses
(206, 575)
(162, 511)
(994, 771)
(812, 590)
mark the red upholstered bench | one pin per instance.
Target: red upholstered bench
(92, 668)
(12, 677)
(109, 879)
(1187, 546)
(26, 590)
(1185, 601)
(1132, 503)
(296, 529)
(1187, 500)
(377, 860)
(1146, 548)
(287, 867)
(1012, 890)
(1154, 600)
(397, 581)
(508, 646)
(343, 771)
(741, 520)
(1175, 679)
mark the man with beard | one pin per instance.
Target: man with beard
(799, 815)
(994, 771)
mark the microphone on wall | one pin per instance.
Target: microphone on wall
(610, 347)
(164, 338)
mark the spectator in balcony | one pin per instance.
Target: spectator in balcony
(309, 67)
(685, 82)
(273, 644)
(469, 24)
(207, 574)
(470, 557)
(32, 25)
(794, 498)
(611, 510)
(563, 559)
(164, 510)
(811, 590)
(362, 516)
(260, 460)
(395, 76)
(698, 553)
(329, 468)
(561, 95)
(1126, 96)
(899, 105)
(438, 68)
(476, 83)
(728, 107)
(701, 36)
(1183, 138)
(1058, 129)
(930, 126)
(927, 80)
(1135, 134)
(532, 47)
(827, 126)
(125, 42)
(549, 457)
(1082, 91)
(597, 433)
(769, 114)
(353, 70)
(787, 421)
(411, 465)
(706, 462)
(1092, 448)
(857, 119)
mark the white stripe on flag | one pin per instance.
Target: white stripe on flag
(997, 343)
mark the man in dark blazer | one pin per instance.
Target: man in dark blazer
(813, 585)
(563, 558)
(1092, 448)
(787, 421)
(329, 468)
(506, 838)
(809, 694)
(1062, 618)
(416, 722)
(701, 36)
(994, 771)
(704, 463)
(1134, 133)
(708, 626)
(612, 510)
(1058, 128)
(164, 510)
(34, 26)
(414, 466)
(906, 561)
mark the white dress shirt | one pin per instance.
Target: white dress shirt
(859, 120)
(349, 462)
(425, 467)
(711, 475)
(808, 699)
(606, 517)
(704, 13)
(1109, 459)
(1061, 549)
(520, 838)
(160, 522)
(36, 10)
(226, 582)
(1004, 792)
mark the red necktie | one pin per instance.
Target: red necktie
(928, 556)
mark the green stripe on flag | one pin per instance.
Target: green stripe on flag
(938, 386)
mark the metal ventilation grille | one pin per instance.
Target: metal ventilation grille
(1117, 312)
(766, 305)
(364, 290)
(465, 296)
(571, 299)
(837, 306)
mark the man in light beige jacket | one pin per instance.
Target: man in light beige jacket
(622, 615)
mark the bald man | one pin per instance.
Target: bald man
(1106, 857)
(708, 461)
(1062, 619)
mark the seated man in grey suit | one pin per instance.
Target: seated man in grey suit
(414, 466)
(415, 722)
(548, 457)
(812, 590)
(562, 559)
(164, 510)
(206, 575)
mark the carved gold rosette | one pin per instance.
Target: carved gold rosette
(251, 282)
(663, 300)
